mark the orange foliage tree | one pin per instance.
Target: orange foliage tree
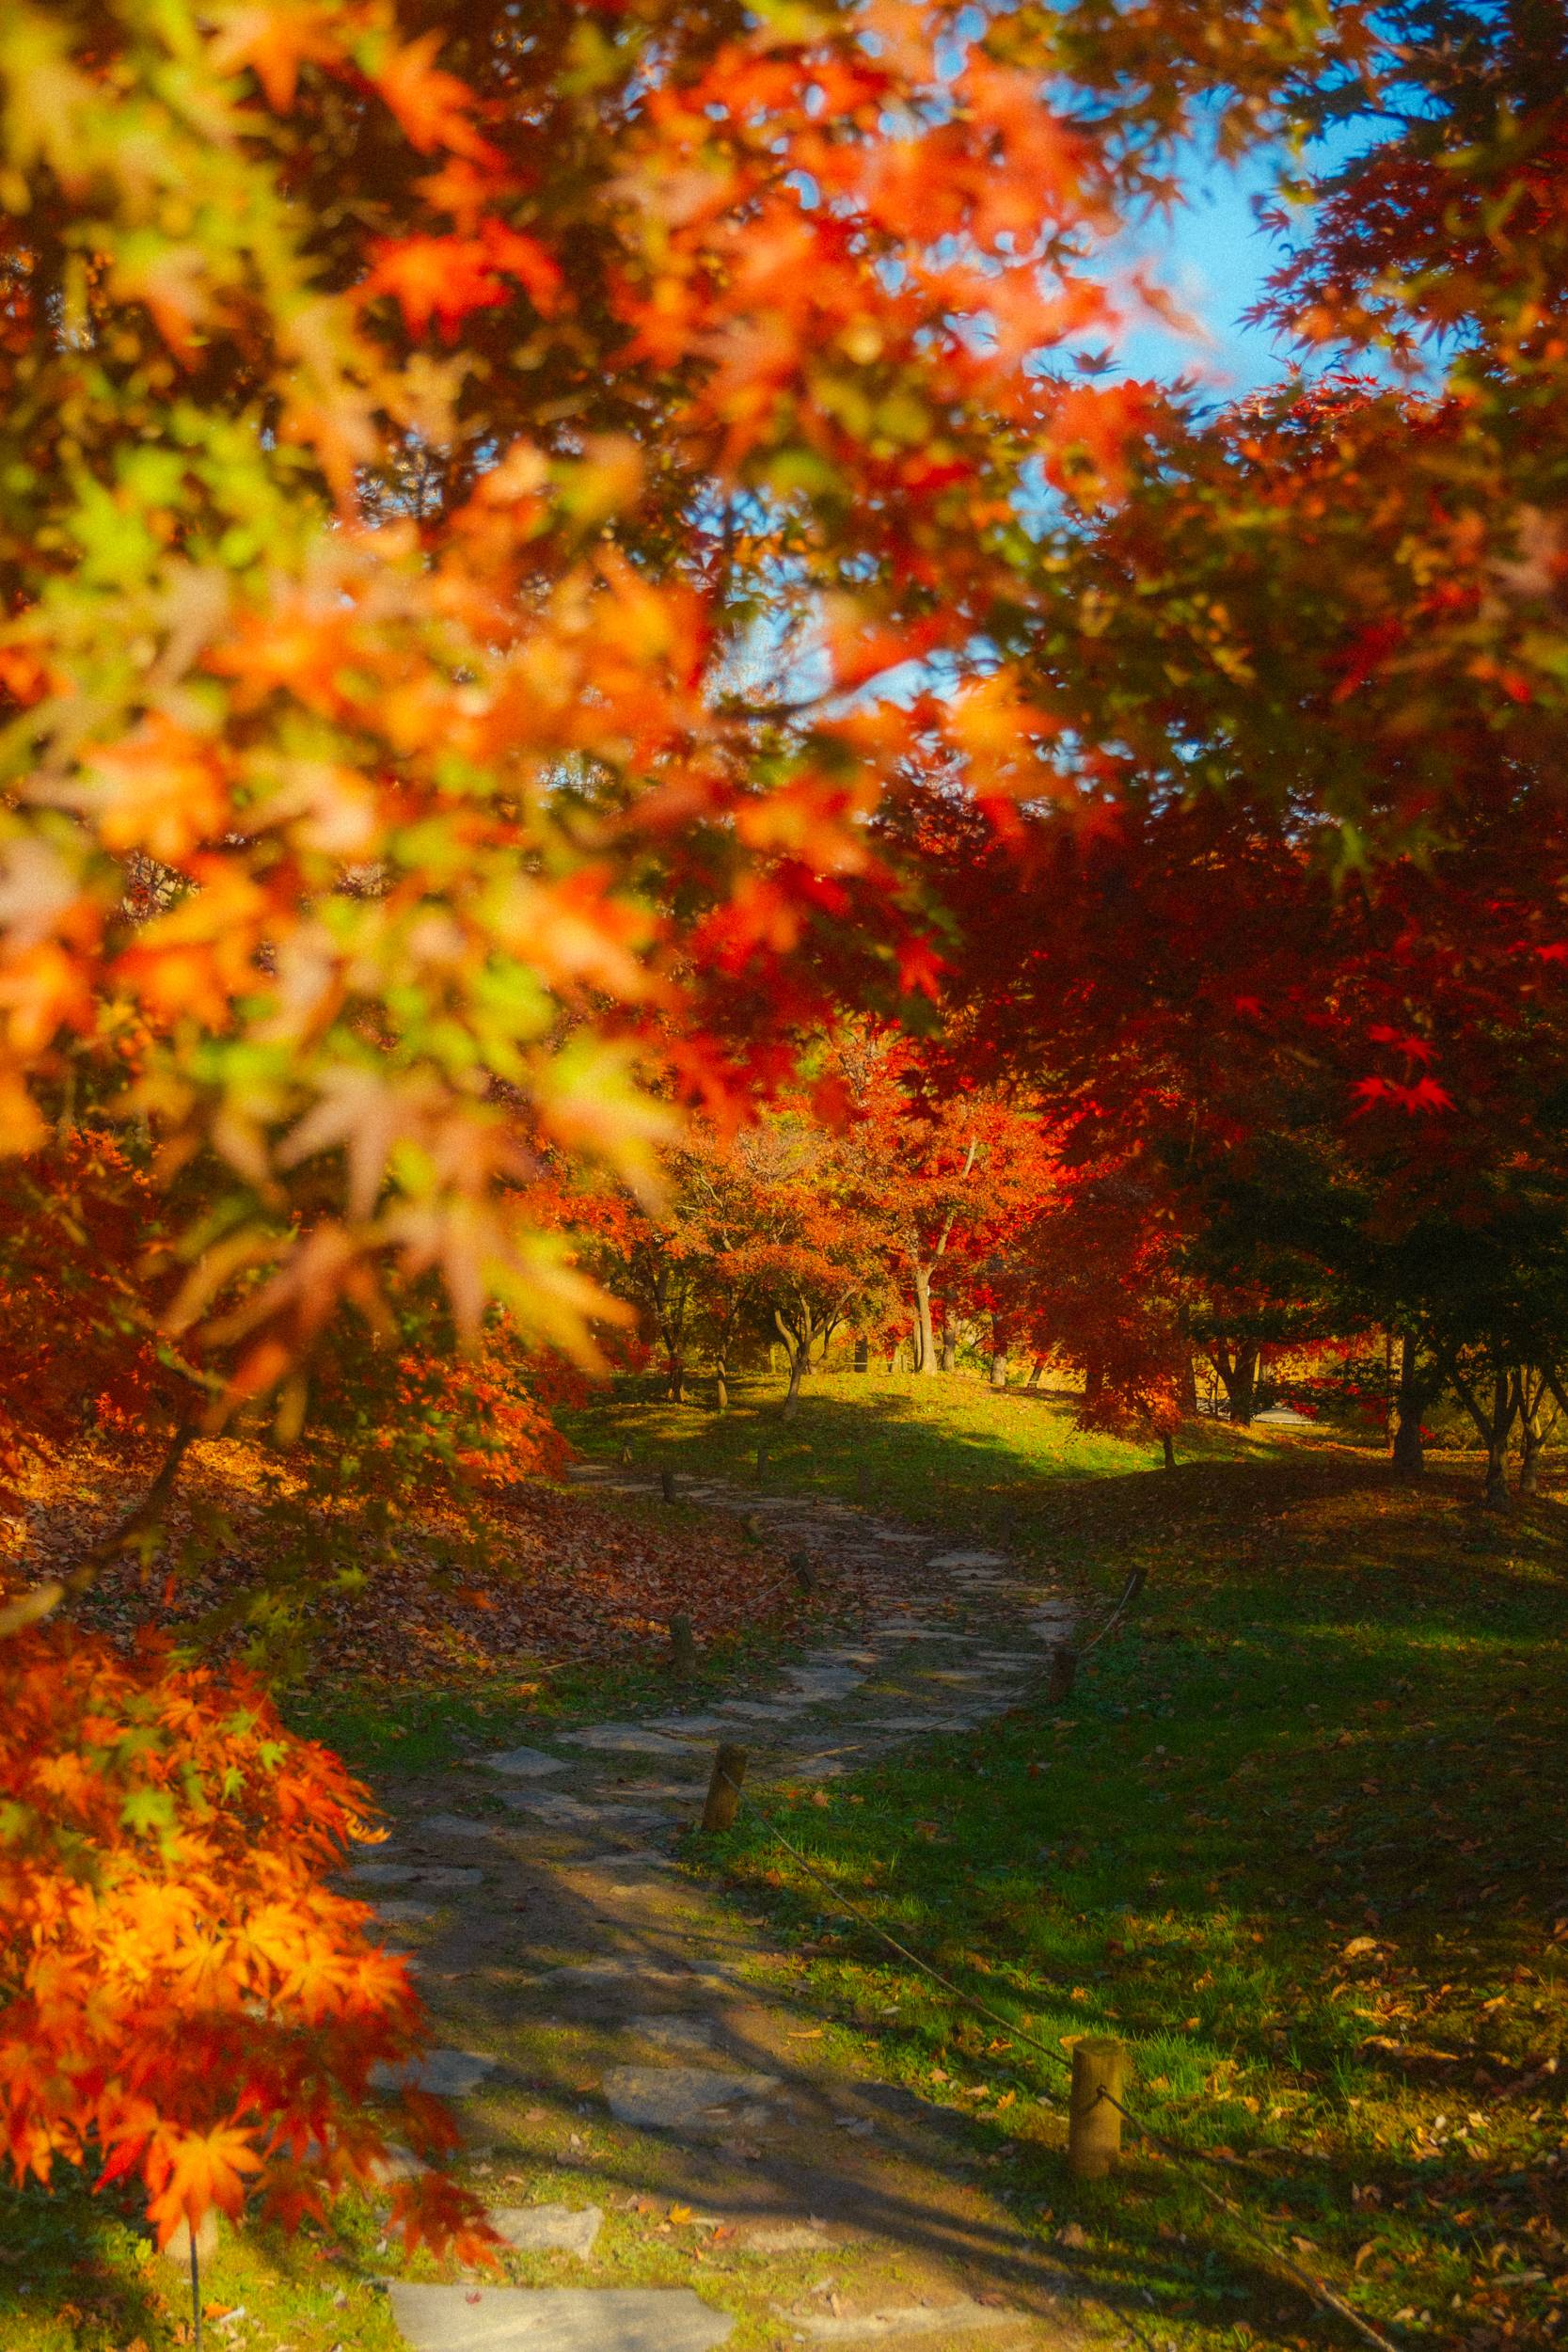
(459, 479)
(403, 440)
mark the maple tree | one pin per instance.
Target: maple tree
(465, 484)
(407, 423)
(1282, 926)
(945, 1172)
(186, 2001)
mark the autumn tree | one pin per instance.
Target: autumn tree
(942, 1173)
(406, 419)
(415, 424)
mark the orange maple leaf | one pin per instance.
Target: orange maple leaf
(203, 2169)
(274, 39)
(434, 108)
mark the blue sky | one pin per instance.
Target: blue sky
(1214, 259)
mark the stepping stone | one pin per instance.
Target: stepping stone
(692, 2034)
(379, 1873)
(561, 1812)
(400, 1915)
(817, 1684)
(452, 1825)
(547, 2228)
(968, 1559)
(555, 2319)
(914, 2319)
(680, 2098)
(685, 1726)
(680, 1791)
(526, 1763)
(446, 2074)
(626, 1739)
(786, 2237)
(646, 1858)
(447, 1877)
(903, 1723)
(592, 1974)
(762, 1711)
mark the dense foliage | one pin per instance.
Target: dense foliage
(547, 567)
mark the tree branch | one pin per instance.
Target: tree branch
(30, 1608)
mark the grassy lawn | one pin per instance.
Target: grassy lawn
(1297, 1838)
(950, 1452)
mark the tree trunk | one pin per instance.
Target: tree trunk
(999, 1367)
(798, 1343)
(40, 1600)
(721, 1385)
(1187, 1385)
(1495, 1497)
(924, 1338)
(949, 1344)
(1169, 1445)
(675, 1387)
(1238, 1371)
(1409, 1458)
(862, 1354)
(1035, 1371)
(1534, 1428)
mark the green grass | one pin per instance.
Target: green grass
(950, 1452)
(398, 1733)
(1296, 1839)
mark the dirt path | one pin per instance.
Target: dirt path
(644, 2106)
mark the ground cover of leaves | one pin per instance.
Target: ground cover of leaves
(504, 1605)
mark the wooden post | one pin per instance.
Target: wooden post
(667, 1483)
(1093, 2124)
(723, 1789)
(683, 1650)
(1064, 1666)
(805, 1575)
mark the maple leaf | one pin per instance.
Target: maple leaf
(197, 2171)
(275, 37)
(439, 277)
(434, 109)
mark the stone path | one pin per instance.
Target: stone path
(665, 2155)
